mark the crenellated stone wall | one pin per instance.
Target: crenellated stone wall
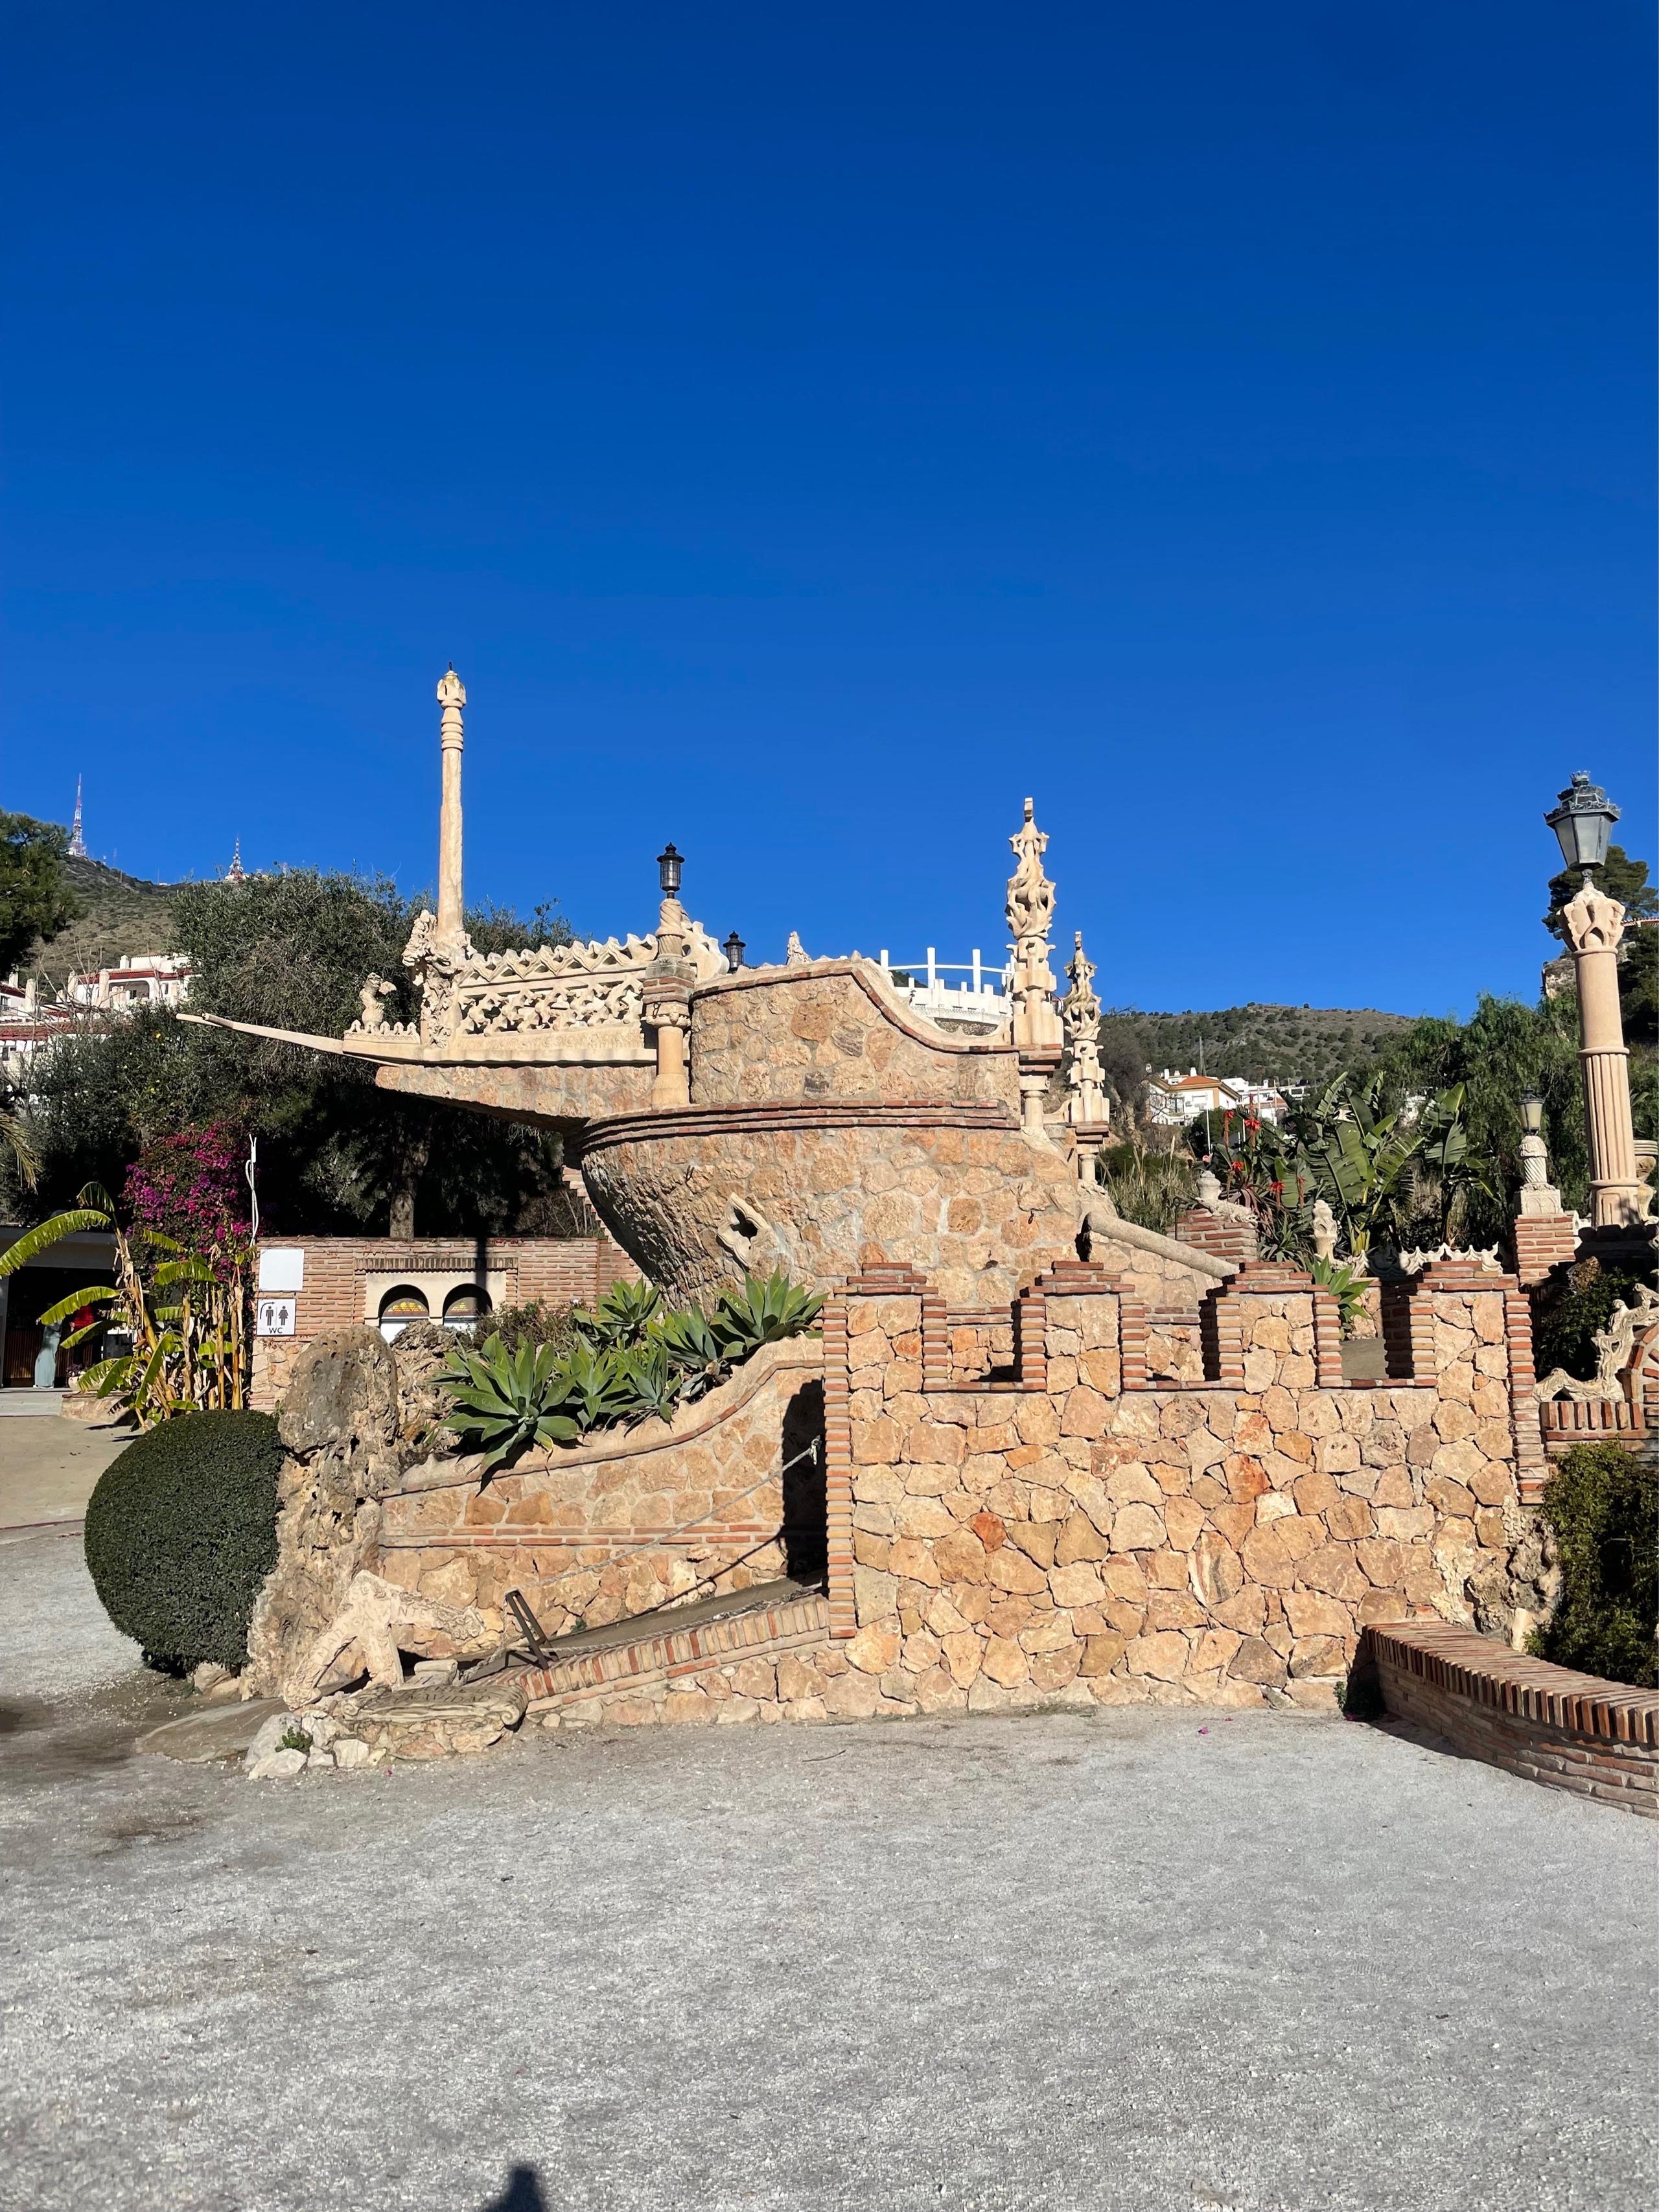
(1073, 1534)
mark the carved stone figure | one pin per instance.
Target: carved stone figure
(372, 997)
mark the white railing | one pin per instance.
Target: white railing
(982, 997)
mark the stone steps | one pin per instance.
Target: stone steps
(762, 1624)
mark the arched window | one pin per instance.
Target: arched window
(466, 1307)
(400, 1307)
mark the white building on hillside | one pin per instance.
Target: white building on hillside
(142, 979)
(1173, 1099)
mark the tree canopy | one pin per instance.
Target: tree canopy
(35, 898)
(1618, 876)
(336, 1154)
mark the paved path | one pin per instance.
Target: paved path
(1145, 1962)
(48, 1467)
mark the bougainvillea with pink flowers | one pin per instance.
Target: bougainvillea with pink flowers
(193, 1188)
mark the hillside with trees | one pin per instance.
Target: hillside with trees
(1265, 1043)
(115, 915)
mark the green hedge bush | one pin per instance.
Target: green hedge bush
(1602, 1503)
(181, 1531)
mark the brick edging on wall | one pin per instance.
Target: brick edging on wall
(1572, 1731)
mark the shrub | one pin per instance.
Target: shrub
(181, 1531)
(535, 1324)
(1570, 1310)
(1603, 1504)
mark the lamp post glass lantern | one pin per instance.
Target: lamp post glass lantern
(669, 866)
(733, 948)
(1532, 1113)
(1581, 819)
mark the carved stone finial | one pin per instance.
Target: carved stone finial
(1081, 1010)
(795, 953)
(1086, 1104)
(1324, 1230)
(451, 692)
(1030, 910)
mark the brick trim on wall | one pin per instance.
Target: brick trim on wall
(838, 1469)
(1570, 1731)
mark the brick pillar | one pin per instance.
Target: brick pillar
(1229, 1236)
(1328, 1340)
(1531, 1461)
(935, 1340)
(1543, 1242)
(1407, 1332)
(1221, 1337)
(838, 1468)
(1031, 1340)
(1132, 1325)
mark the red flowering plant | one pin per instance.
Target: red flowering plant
(1256, 1167)
(174, 1323)
(190, 1192)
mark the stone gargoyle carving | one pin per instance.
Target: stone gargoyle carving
(1613, 1346)
(380, 1621)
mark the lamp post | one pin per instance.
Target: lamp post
(1581, 819)
(734, 949)
(1536, 1195)
(666, 1008)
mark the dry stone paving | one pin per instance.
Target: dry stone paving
(1139, 1959)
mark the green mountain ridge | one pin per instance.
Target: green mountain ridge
(1266, 1044)
(119, 915)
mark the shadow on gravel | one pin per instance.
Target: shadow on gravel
(47, 1741)
(523, 2193)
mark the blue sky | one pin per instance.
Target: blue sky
(808, 432)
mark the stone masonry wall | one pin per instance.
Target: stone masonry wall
(593, 1531)
(959, 1189)
(1077, 1536)
(833, 1030)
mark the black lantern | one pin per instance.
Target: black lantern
(1581, 821)
(1532, 1113)
(669, 864)
(733, 948)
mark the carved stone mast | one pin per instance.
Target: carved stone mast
(452, 697)
(439, 948)
(1039, 1036)
(1087, 1109)
(1596, 927)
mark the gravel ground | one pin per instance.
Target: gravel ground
(1143, 1962)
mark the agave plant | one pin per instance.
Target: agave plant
(597, 1387)
(509, 1401)
(654, 1383)
(694, 1348)
(765, 1311)
(621, 1318)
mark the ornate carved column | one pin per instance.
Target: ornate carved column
(1595, 928)
(452, 697)
(1038, 1034)
(1087, 1106)
(666, 1007)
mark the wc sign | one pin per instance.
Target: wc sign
(282, 1277)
